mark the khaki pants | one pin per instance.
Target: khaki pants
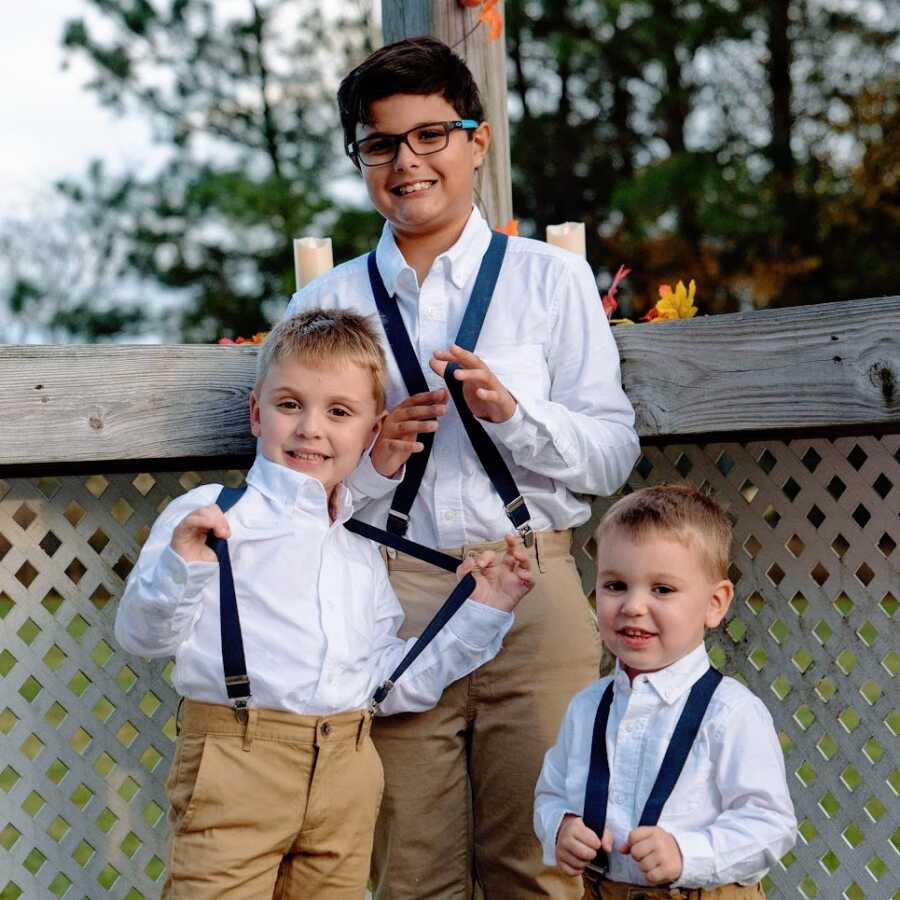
(282, 808)
(459, 779)
(604, 889)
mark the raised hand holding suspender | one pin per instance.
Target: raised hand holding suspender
(237, 681)
(467, 337)
(596, 793)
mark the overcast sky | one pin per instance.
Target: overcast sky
(51, 126)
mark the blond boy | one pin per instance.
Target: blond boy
(662, 564)
(279, 799)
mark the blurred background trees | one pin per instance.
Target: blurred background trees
(753, 145)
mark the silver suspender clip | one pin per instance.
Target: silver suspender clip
(527, 534)
(241, 703)
(241, 710)
(387, 687)
(525, 531)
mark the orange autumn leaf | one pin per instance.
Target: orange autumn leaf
(492, 18)
(257, 338)
(511, 228)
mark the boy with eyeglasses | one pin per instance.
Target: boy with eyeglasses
(543, 382)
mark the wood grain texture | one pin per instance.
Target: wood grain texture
(78, 404)
(486, 59)
(834, 366)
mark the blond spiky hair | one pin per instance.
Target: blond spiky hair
(678, 511)
(325, 335)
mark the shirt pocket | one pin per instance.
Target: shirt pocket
(521, 368)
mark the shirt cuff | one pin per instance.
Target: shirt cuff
(697, 859)
(367, 480)
(179, 580)
(480, 626)
(507, 432)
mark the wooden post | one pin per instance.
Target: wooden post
(452, 24)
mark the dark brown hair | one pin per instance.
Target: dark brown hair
(413, 66)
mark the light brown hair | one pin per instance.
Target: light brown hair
(320, 336)
(676, 511)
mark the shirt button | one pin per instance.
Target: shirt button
(325, 729)
(449, 515)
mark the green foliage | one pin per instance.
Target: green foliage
(239, 95)
(732, 142)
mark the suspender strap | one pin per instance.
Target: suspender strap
(411, 372)
(680, 745)
(467, 337)
(237, 682)
(597, 790)
(491, 460)
(456, 599)
(410, 548)
(450, 606)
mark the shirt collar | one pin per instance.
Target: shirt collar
(672, 681)
(294, 490)
(460, 260)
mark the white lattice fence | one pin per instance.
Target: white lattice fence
(813, 631)
(87, 730)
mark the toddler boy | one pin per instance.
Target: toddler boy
(279, 798)
(676, 792)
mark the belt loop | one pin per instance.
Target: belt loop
(249, 719)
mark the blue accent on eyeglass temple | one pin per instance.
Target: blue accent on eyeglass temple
(466, 123)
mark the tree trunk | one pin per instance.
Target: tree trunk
(460, 29)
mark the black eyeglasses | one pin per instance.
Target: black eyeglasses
(423, 140)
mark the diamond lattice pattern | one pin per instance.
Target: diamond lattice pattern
(88, 730)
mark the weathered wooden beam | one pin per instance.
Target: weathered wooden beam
(829, 366)
(459, 28)
(833, 367)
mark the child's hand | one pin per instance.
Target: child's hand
(577, 845)
(189, 537)
(500, 583)
(397, 440)
(486, 396)
(656, 852)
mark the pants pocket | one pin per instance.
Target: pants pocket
(185, 784)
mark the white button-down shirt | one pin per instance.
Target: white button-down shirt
(319, 618)
(546, 338)
(730, 810)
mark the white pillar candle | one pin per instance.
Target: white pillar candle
(569, 236)
(312, 257)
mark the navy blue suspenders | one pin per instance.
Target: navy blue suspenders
(597, 790)
(408, 363)
(237, 682)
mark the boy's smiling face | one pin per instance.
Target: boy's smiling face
(423, 195)
(315, 419)
(655, 598)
